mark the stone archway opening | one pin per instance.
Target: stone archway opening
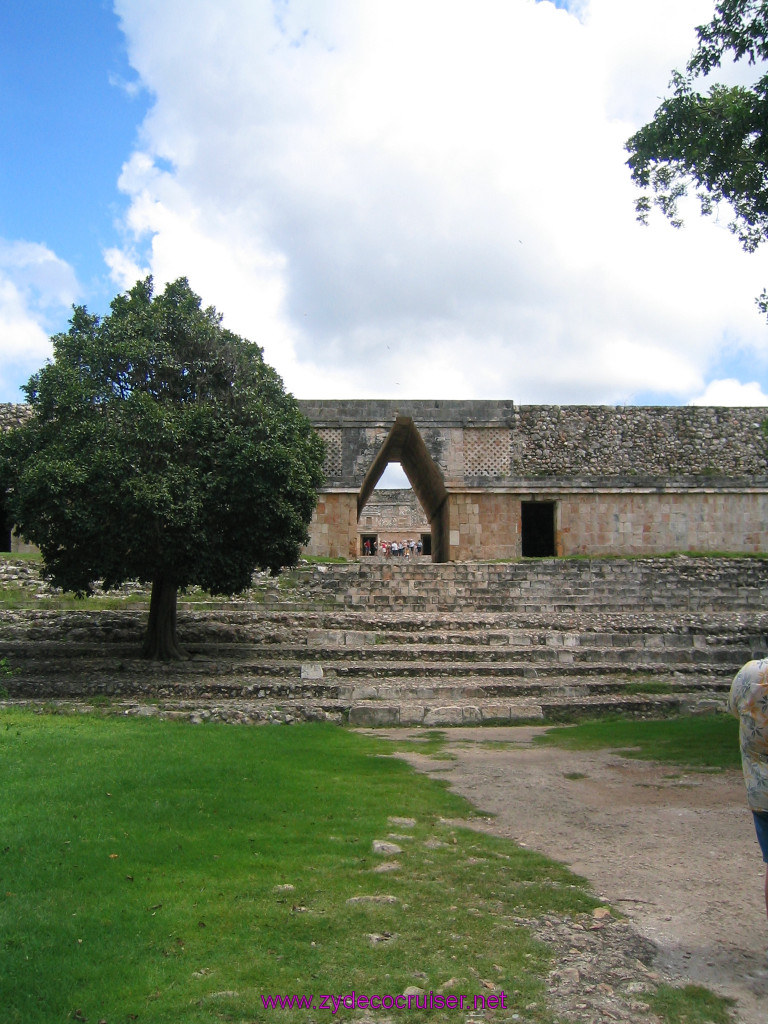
(405, 445)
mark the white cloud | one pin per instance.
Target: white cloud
(35, 288)
(428, 199)
(731, 392)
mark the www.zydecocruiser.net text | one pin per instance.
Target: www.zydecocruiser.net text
(353, 1001)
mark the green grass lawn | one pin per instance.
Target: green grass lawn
(707, 741)
(157, 871)
(162, 872)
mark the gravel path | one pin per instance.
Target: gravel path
(674, 850)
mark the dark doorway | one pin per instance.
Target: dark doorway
(538, 522)
(371, 540)
(426, 543)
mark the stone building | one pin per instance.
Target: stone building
(11, 415)
(492, 479)
(496, 480)
(393, 515)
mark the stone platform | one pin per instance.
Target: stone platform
(383, 642)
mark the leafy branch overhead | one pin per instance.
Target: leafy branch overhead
(712, 143)
(162, 449)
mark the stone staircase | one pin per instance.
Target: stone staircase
(382, 642)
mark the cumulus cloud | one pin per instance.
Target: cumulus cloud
(428, 199)
(36, 286)
(731, 392)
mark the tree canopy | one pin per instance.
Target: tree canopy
(162, 448)
(712, 143)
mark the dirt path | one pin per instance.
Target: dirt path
(675, 851)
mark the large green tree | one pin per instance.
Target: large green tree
(162, 448)
(713, 143)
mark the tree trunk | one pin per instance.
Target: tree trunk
(161, 642)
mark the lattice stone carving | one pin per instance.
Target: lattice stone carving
(487, 452)
(332, 466)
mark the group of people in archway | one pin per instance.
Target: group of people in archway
(393, 548)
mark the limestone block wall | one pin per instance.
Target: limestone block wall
(483, 525)
(487, 525)
(392, 514)
(333, 530)
(355, 430)
(658, 523)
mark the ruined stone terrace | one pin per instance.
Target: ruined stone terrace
(373, 642)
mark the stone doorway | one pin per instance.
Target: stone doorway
(368, 544)
(538, 529)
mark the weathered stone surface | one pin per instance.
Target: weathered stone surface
(496, 439)
(379, 899)
(311, 670)
(364, 715)
(382, 848)
(624, 480)
(438, 644)
(444, 716)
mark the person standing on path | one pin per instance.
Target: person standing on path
(748, 700)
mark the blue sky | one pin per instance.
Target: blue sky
(66, 124)
(401, 200)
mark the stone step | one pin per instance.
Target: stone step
(572, 649)
(531, 586)
(564, 709)
(555, 584)
(553, 688)
(237, 623)
(225, 626)
(55, 669)
(435, 713)
(209, 679)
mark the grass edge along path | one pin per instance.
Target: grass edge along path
(703, 742)
(156, 871)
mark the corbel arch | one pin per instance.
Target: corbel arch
(404, 444)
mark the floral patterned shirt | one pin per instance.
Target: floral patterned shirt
(748, 700)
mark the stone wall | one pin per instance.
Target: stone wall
(12, 416)
(639, 443)
(618, 480)
(656, 523)
(393, 514)
(476, 442)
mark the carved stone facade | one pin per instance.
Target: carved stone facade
(495, 480)
(393, 515)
